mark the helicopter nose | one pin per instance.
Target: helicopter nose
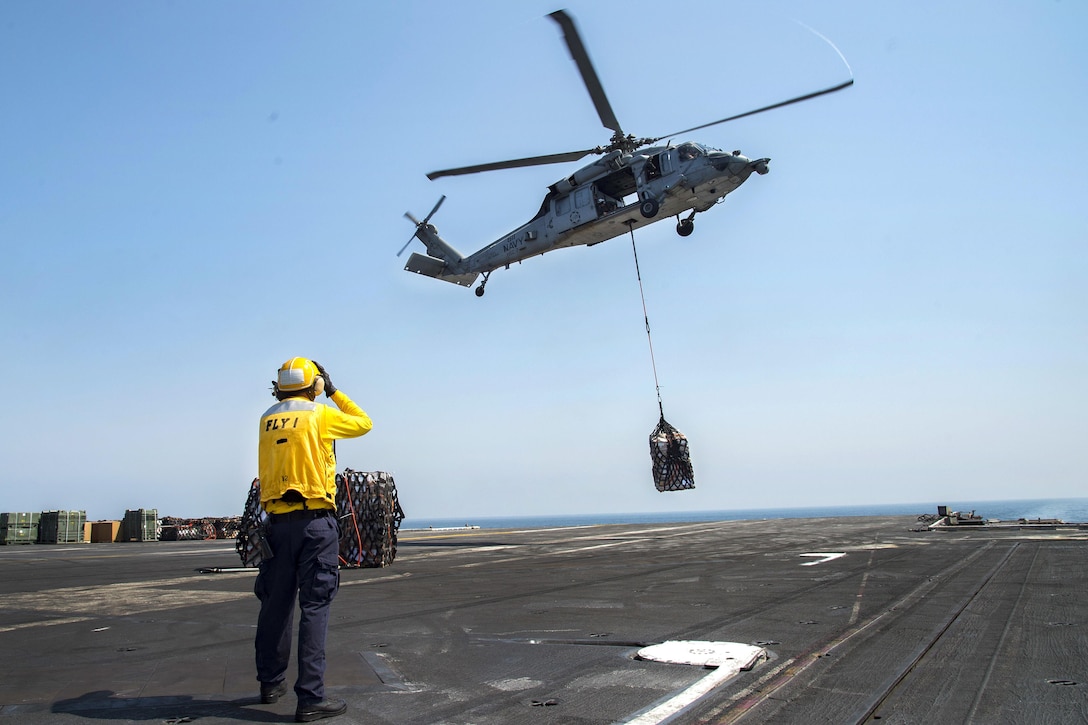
(737, 164)
(734, 162)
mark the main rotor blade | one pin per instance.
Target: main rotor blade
(761, 110)
(585, 67)
(514, 163)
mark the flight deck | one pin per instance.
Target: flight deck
(837, 620)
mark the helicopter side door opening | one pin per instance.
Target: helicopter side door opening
(661, 173)
(617, 186)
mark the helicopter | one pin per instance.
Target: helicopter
(635, 182)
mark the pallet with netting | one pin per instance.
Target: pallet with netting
(370, 517)
(369, 514)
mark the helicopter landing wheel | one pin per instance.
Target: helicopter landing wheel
(649, 208)
(685, 227)
(480, 289)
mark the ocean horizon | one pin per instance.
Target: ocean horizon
(1070, 510)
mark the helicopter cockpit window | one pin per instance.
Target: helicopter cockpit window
(666, 162)
(689, 151)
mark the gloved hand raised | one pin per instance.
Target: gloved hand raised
(330, 389)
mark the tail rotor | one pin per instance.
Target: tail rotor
(420, 224)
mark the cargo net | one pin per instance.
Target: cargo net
(250, 544)
(369, 512)
(370, 516)
(671, 458)
(179, 529)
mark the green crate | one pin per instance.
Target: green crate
(140, 525)
(19, 519)
(18, 534)
(61, 527)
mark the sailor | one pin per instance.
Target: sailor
(297, 468)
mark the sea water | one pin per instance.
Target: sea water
(1065, 509)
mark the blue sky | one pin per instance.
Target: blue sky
(191, 193)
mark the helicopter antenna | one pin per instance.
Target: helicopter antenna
(645, 316)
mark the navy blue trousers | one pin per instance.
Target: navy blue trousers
(304, 564)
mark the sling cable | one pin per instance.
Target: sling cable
(669, 452)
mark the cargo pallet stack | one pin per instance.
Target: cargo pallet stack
(175, 529)
(140, 525)
(19, 528)
(61, 527)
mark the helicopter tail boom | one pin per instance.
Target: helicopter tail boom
(431, 267)
(441, 259)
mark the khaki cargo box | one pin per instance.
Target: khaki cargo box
(105, 532)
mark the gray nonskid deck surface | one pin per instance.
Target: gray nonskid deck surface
(861, 620)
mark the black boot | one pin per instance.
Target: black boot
(319, 710)
(272, 691)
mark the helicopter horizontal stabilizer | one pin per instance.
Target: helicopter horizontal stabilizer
(431, 267)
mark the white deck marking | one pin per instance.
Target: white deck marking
(861, 591)
(417, 556)
(376, 580)
(825, 556)
(541, 555)
(728, 658)
(45, 623)
(635, 539)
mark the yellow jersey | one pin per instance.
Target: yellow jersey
(295, 452)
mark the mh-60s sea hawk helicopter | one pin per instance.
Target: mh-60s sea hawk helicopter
(634, 183)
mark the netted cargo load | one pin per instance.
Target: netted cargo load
(250, 545)
(204, 529)
(228, 528)
(191, 531)
(369, 515)
(671, 458)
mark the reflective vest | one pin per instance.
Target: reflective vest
(295, 452)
